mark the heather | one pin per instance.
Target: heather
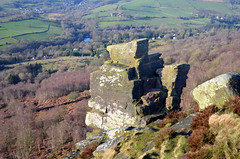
(215, 132)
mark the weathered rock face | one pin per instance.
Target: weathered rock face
(217, 90)
(130, 54)
(127, 88)
(174, 78)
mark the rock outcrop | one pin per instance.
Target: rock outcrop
(132, 87)
(217, 90)
(173, 79)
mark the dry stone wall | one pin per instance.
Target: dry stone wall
(128, 89)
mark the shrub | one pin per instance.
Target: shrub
(60, 127)
(199, 138)
(201, 119)
(73, 95)
(204, 153)
(235, 104)
(87, 153)
(172, 117)
(77, 120)
(13, 79)
(196, 108)
(74, 53)
(201, 135)
(18, 91)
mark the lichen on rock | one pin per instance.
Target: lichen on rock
(218, 90)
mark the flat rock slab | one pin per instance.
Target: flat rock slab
(109, 144)
(113, 133)
(128, 53)
(185, 123)
(121, 156)
(80, 146)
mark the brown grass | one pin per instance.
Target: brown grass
(224, 123)
(227, 140)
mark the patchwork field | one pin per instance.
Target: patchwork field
(155, 13)
(33, 29)
(166, 13)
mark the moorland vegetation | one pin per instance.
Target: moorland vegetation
(49, 48)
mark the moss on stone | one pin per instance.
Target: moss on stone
(136, 142)
(93, 133)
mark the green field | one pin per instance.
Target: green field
(157, 12)
(33, 29)
(213, 6)
(8, 4)
(5, 6)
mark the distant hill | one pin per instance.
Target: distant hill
(157, 13)
(164, 13)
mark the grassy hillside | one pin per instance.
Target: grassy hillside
(32, 29)
(165, 13)
(20, 20)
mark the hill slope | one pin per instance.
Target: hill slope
(164, 13)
